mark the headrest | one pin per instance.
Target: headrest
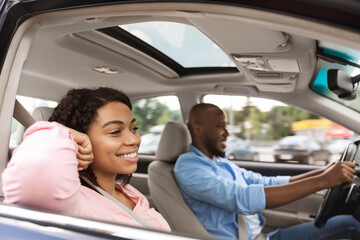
(42, 113)
(175, 140)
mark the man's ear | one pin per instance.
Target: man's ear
(198, 130)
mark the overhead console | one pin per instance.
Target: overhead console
(273, 60)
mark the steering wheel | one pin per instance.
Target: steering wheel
(343, 199)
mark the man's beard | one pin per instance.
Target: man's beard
(211, 147)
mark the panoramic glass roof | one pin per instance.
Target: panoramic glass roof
(182, 43)
(320, 84)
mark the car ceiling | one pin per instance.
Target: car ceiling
(65, 46)
(64, 51)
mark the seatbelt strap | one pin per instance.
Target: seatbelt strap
(121, 205)
(242, 227)
(22, 115)
(261, 236)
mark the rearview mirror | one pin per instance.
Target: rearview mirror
(342, 84)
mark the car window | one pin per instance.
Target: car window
(293, 140)
(271, 131)
(151, 114)
(30, 103)
(17, 130)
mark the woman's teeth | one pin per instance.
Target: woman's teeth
(130, 155)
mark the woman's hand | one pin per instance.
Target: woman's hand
(85, 155)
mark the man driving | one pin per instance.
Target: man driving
(217, 190)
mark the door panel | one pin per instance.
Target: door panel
(300, 211)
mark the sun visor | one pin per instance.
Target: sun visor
(245, 37)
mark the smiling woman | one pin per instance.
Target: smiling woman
(100, 143)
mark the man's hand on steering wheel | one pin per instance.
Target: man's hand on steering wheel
(338, 173)
(341, 178)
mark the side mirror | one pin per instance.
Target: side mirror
(342, 84)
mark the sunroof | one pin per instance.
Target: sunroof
(184, 44)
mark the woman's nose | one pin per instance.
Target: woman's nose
(132, 138)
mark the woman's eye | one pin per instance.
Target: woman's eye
(134, 129)
(115, 132)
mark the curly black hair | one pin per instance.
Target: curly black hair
(78, 109)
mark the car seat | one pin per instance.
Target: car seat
(42, 113)
(164, 190)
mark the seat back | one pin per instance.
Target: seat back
(164, 190)
(42, 113)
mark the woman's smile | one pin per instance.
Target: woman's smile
(129, 157)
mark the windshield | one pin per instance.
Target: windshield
(320, 84)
